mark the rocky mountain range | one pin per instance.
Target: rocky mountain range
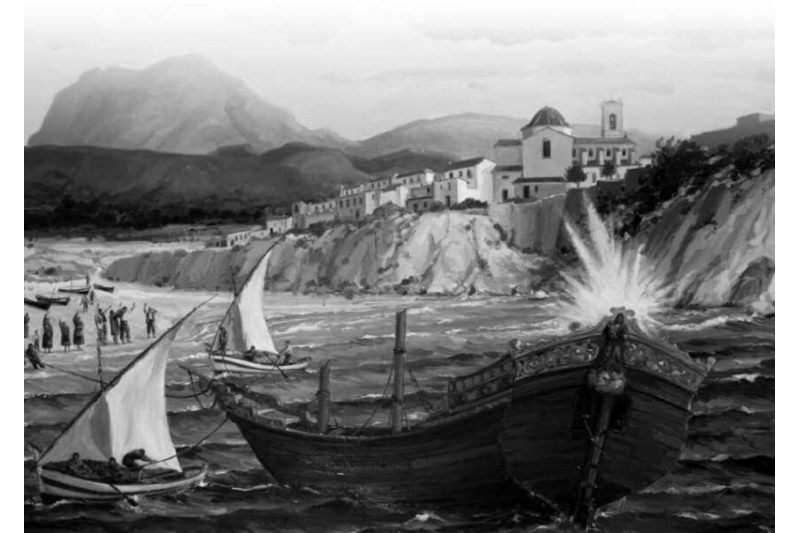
(187, 105)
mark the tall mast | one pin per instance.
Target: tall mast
(399, 371)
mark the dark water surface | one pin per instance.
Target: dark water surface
(724, 481)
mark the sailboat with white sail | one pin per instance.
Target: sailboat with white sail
(251, 349)
(128, 415)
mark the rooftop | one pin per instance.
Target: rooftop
(556, 179)
(604, 140)
(508, 168)
(508, 142)
(467, 163)
(547, 116)
(414, 172)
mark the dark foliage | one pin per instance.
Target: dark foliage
(469, 203)
(575, 174)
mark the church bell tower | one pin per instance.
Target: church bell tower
(612, 125)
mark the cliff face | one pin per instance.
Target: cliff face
(436, 253)
(719, 248)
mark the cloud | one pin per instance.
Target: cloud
(653, 87)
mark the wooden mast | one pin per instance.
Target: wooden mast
(399, 371)
(324, 396)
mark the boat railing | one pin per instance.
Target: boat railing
(482, 384)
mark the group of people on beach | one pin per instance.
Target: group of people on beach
(106, 320)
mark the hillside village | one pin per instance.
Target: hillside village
(531, 167)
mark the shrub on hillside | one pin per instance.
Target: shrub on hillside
(469, 203)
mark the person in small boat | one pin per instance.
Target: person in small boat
(77, 467)
(222, 343)
(77, 334)
(286, 353)
(150, 320)
(27, 326)
(115, 473)
(514, 348)
(36, 340)
(250, 355)
(47, 337)
(66, 341)
(32, 354)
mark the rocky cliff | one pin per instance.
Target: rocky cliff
(719, 247)
(436, 253)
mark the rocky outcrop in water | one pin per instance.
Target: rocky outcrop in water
(719, 248)
(436, 253)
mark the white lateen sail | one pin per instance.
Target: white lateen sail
(129, 414)
(245, 318)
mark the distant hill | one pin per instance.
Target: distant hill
(746, 126)
(469, 135)
(179, 105)
(211, 182)
(402, 161)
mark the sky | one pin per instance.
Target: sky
(361, 68)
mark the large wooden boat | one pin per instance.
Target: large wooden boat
(53, 300)
(251, 350)
(127, 414)
(30, 302)
(579, 422)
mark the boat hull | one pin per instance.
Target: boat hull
(457, 461)
(104, 288)
(53, 300)
(79, 290)
(55, 485)
(37, 304)
(233, 365)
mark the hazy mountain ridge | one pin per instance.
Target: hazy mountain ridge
(179, 105)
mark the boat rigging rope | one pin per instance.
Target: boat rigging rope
(193, 446)
(425, 402)
(76, 374)
(377, 404)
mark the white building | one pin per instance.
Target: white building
(471, 178)
(278, 225)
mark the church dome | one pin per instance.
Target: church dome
(548, 116)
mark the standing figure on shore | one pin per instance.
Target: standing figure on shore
(98, 324)
(27, 321)
(85, 303)
(77, 334)
(91, 297)
(150, 320)
(124, 327)
(36, 340)
(112, 316)
(88, 281)
(47, 333)
(66, 342)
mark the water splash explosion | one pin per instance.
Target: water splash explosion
(614, 275)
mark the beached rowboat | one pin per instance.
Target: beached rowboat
(75, 290)
(53, 300)
(37, 304)
(104, 288)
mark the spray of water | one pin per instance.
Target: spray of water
(613, 275)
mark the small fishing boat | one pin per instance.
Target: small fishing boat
(104, 288)
(75, 290)
(37, 304)
(128, 414)
(578, 422)
(53, 300)
(247, 329)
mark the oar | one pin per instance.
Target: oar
(128, 499)
(275, 364)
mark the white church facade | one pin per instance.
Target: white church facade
(535, 165)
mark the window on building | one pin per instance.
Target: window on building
(574, 152)
(341, 203)
(505, 194)
(546, 148)
(451, 174)
(416, 207)
(608, 152)
(424, 205)
(469, 173)
(624, 152)
(612, 121)
(428, 190)
(594, 178)
(526, 191)
(348, 203)
(535, 188)
(591, 152)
